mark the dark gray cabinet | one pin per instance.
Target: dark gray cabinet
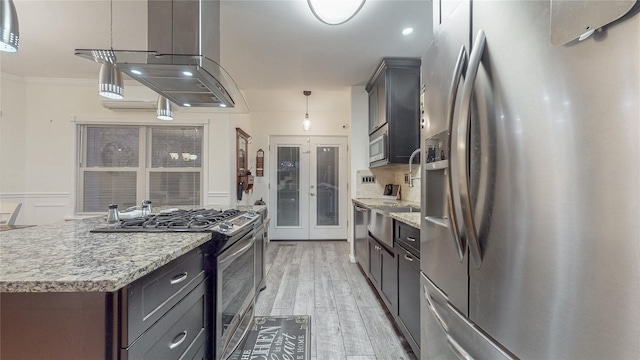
(163, 315)
(394, 108)
(409, 296)
(407, 249)
(383, 273)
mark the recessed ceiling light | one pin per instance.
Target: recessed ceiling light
(407, 31)
(187, 73)
(137, 72)
(186, 104)
(223, 105)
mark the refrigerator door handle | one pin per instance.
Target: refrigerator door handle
(460, 352)
(435, 313)
(463, 125)
(454, 212)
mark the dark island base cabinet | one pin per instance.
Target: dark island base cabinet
(163, 315)
(383, 273)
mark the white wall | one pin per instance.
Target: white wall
(359, 145)
(282, 112)
(12, 133)
(38, 137)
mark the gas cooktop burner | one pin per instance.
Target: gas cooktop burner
(185, 220)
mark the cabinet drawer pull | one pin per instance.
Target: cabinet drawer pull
(179, 339)
(408, 257)
(179, 278)
(411, 239)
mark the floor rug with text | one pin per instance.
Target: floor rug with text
(276, 337)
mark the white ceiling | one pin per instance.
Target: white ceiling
(265, 44)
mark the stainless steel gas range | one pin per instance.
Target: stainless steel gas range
(232, 279)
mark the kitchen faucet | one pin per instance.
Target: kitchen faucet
(411, 178)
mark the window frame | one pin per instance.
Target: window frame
(144, 169)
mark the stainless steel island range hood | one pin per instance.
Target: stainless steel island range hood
(182, 61)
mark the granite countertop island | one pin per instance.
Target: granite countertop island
(409, 218)
(67, 257)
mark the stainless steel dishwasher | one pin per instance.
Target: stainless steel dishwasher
(361, 245)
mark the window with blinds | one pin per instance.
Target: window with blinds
(125, 165)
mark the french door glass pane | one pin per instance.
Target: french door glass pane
(174, 188)
(102, 188)
(112, 146)
(288, 177)
(176, 147)
(328, 187)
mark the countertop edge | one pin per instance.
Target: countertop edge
(378, 203)
(407, 218)
(97, 285)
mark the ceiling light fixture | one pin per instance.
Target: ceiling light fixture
(110, 84)
(335, 12)
(407, 31)
(306, 124)
(164, 111)
(10, 34)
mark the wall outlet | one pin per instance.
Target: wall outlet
(406, 178)
(368, 179)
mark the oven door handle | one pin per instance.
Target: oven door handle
(239, 252)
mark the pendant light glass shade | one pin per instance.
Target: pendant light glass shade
(335, 12)
(10, 34)
(164, 111)
(306, 124)
(110, 82)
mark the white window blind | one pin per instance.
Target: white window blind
(125, 165)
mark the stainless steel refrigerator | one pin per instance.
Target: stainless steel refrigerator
(530, 235)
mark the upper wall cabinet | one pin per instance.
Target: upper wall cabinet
(394, 109)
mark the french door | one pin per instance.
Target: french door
(308, 187)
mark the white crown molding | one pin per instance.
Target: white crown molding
(59, 81)
(7, 76)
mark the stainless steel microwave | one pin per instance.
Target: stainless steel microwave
(378, 150)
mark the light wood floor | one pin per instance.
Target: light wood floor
(348, 319)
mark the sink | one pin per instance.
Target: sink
(381, 225)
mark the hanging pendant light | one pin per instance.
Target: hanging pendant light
(335, 12)
(306, 124)
(164, 111)
(110, 82)
(9, 32)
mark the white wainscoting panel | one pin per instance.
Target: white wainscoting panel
(218, 198)
(39, 208)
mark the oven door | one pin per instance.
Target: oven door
(235, 294)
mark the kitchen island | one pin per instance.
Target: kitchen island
(67, 293)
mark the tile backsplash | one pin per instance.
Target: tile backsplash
(390, 174)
